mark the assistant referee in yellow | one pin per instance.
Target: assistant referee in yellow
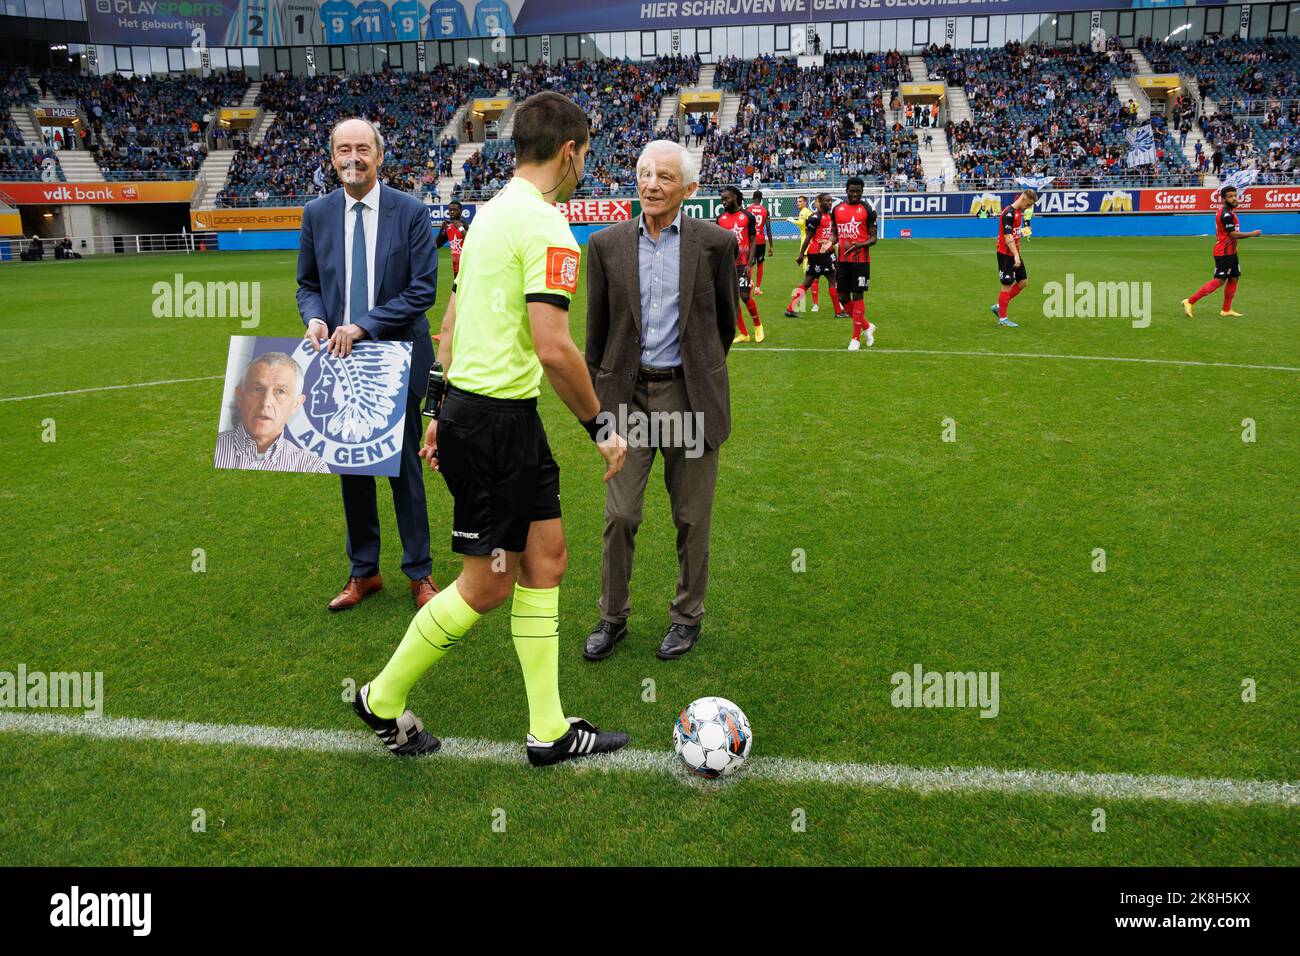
(506, 324)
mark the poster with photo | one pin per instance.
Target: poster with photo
(288, 407)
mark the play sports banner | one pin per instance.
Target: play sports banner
(310, 22)
(62, 194)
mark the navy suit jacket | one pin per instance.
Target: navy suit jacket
(406, 266)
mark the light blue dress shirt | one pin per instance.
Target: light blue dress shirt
(659, 263)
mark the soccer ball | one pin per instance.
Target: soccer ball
(712, 737)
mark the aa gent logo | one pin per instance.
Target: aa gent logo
(352, 416)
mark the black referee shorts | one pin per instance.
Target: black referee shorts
(493, 454)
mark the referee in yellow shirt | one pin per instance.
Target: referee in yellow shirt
(506, 324)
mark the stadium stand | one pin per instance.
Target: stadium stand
(1249, 89)
(487, 170)
(19, 160)
(25, 164)
(1034, 110)
(815, 125)
(15, 93)
(146, 127)
(621, 99)
(411, 109)
(1047, 111)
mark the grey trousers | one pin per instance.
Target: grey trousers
(690, 481)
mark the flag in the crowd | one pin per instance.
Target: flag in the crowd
(1241, 179)
(935, 180)
(1035, 181)
(1141, 146)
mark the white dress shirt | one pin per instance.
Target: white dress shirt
(370, 220)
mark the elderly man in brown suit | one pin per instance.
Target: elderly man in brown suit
(661, 308)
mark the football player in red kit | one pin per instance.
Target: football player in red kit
(453, 233)
(818, 246)
(763, 233)
(1227, 231)
(853, 226)
(742, 227)
(1011, 268)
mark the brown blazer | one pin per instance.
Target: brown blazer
(708, 299)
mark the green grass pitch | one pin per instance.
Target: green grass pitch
(975, 554)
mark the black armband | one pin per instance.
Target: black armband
(433, 395)
(593, 427)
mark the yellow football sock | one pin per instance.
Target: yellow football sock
(535, 625)
(435, 629)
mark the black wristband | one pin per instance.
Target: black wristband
(592, 426)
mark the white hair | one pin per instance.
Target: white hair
(690, 169)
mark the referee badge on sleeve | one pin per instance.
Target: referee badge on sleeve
(562, 269)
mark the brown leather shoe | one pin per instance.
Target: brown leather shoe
(423, 591)
(355, 591)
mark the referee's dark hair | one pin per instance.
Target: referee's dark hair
(544, 123)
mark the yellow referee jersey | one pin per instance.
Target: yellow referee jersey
(519, 250)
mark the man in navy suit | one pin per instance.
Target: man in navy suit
(368, 268)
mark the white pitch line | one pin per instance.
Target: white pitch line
(109, 388)
(774, 769)
(776, 348)
(1030, 355)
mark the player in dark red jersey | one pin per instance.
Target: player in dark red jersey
(1227, 232)
(818, 246)
(853, 226)
(453, 233)
(741, 225)
(763, 234)
(1011, 268)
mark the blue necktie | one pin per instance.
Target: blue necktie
(359, 297)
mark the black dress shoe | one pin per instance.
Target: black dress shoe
(678, 641)
(602, 641)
